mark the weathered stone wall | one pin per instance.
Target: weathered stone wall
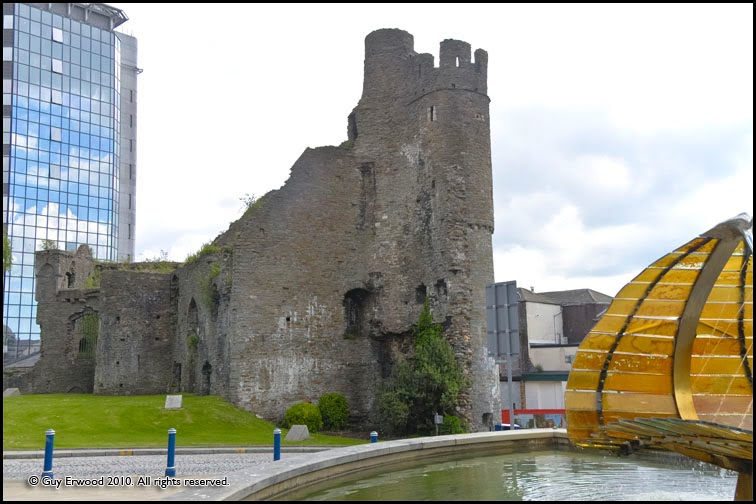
(427, 130)
(404, 213)
(66, 364)
(201, 351)
(137, 332)
(297, 256)
(316, 288)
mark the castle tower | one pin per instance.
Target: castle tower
(428, 129)
(319, 284)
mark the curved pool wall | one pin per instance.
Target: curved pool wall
(270, 481)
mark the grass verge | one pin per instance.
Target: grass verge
(89, 421)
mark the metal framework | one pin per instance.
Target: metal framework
(669, 365)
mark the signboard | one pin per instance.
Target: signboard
(502, 320)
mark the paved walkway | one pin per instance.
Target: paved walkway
(117, 477)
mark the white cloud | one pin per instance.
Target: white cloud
(619, 131)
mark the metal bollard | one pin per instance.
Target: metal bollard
(373, 437)
(49, 439)
(276, 444)
(170, 469)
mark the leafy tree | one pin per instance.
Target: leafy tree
(424, 384)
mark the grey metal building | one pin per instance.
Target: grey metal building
(69, 145)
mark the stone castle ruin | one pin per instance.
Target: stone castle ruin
(316, 287)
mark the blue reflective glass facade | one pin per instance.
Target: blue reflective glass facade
(61, 149)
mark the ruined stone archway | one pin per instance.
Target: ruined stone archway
(192, 344)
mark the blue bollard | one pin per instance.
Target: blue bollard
(276, 444)
(170, 469)
(373, 437)
(49, 439)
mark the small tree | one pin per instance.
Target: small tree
(427, 383)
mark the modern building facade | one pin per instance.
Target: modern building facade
(69, 145)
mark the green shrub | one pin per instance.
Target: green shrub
(423, 384)
(251, 204)
(93, 280)
(451, 425)
(393, 412)
(206, 249)
(158, 264)
(303, 413)
(209, 292)
(335, 410)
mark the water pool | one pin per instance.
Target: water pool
(537, 475)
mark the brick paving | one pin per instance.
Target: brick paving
(17, 472)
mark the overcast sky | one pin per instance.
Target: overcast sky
(618, 132)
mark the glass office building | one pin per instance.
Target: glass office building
(69, 134)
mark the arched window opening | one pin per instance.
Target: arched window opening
(421, 292)
(87, 328)
(356, 303)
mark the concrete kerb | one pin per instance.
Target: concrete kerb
(275, 478)
(121, 452)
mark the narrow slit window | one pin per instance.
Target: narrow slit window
(457, 61)
(432, 113)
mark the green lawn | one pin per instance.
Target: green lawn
(89, 421)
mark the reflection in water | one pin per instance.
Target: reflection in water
(545, 475)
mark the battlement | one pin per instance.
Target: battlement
(393, 68)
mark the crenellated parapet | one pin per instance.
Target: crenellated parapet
(456, 70)
(393, 68)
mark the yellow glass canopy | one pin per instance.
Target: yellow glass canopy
(671, 360)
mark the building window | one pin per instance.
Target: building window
(131, 171)
(57, 66)
(432, 113)
(129, 231)
(129, 201)
(57, 35)
(131, 120)
(131, 145)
